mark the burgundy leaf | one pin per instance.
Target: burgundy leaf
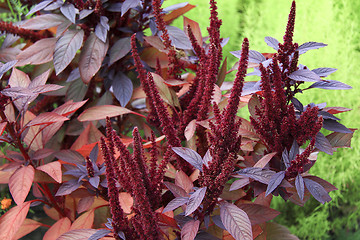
(53, 169)
(318, 192)
(190, 156)
(175, 203)
(340, 140)
(70, 156)
(176, 190)
(190, 229)
(304, 75)
(20, 183)
(258, 213)
(299, 184)
(240, 183)
(38, 53)
(178, 38)
(91, 57)
(303, 48)
(44, 21)
(47, 118)
(77, 234)
(119, 49)
(195, 200)
(335, 110)
(66, 48)
(42, 153)
(264, 160)
(40, 80)
(236, 221)
(68, 187)
(101, 112)
(11, 221)
(274, 182)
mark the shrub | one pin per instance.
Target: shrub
(193, 168)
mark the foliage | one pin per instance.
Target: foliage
(203, 172)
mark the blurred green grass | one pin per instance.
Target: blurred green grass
(336, 23)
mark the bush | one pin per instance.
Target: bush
(192, 168)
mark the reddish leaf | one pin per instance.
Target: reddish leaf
(40, 80)
(258, 213)
(42, 153)
(19, 79)
(176, 190)
(44, 21)
(177, 13)
(169, 221)
(90, 135)
(264, 160)
(236, 221)
(53, 169)
(274, 231)
(20, 183)
(91, 57)
(12, 220)
(156, 42)
(175, 203)
(56, 230)
(190, 129)
(101, 112)
(190, 156)
(335, 110)
(150, 56)
(85, 203)
(190, 229)
(222, 73)
(167, 94)
(240, 183)
(66, 48)
(182, 180)
(195, 28)
(85, 221)
(126, 202)
(78, 234)
(340, 140)
(47, 118)
(119, 49)
(195, 200)
(69, 107)
(27, 227)
(38, 53)
(2, 127)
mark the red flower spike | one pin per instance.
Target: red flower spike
(21, 32)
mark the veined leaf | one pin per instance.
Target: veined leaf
(175, 203)
(60, 227)
(47, 118)
(66, 47)
(69, 11)
(236, 221)
(299, 184)
(190, 229)
(303, 48)
(99, 234)
(272, 42)
(304, 75)
(119, 49)
(91, 57)
(12, 220)
(78, 234)
(258, 213)
(195, 200)
(258, 174)
(38, 53)
(318, 191)
(85, 221)
(26, 227)
(44, 21)
(274, 182)
(190, 156)
(53, 169)
(101, 112)
(20, 183)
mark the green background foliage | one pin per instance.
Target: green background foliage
(336, 23)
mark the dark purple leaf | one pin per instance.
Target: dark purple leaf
(195, 200)
(178, 38)
(324, 72)
(335, 126)
(175, 189)
(285, 158)
(99, 234)
(85, 12)
(304, 75)
(94, 181)
(94, 153)
(69, 11)
(217, 220)
(190, 156)
(205, 236)
(331, 85)
(66, 47)
(272, 42)
(299, 184)
(175, 203)
(323, 144)
(297, 104)
(68, 187)
(318, 192)
(39, 7)
(70, 156)
(42, 153)
(119, 49)
(75, 74)
(127, 4)
(254, 56)
(303, 48)
(274, 182)
(258, 174)
(236, 221)
(55, 5)
(102, 28)
(76, 91)
(122, 88)
(294, 150)
(44, 21)
(6, 67)
(327, 115)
